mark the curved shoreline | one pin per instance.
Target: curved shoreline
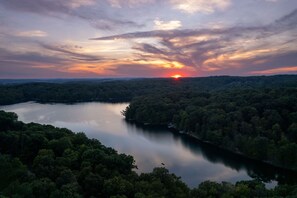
(171, 128)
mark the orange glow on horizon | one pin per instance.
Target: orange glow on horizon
(176, 76)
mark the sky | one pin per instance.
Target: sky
(147, 38)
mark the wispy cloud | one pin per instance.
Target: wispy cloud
(45, 6)
(28, 64)
(71, 53)
(62, 61)
(129, 3)
(202, 6)
(96, 16)
(169, 25)
(276, 71)
(272, 1)
(32, 58)
(145, 37)
(32, 33)
(212, 50)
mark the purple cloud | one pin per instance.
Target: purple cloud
(218, 50)
(68, 52)
(96, 16)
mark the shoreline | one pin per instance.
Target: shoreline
(171, 128)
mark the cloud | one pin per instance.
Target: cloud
(78, 3)
(60, 58)
(202, 6)
(10, 70)
(211, 50)
(130, 3)
(276, 71)
(61, 62)
(71, 53)
(219, 49)
(287, 22)
(32, 58)
(45, 6)
(32, 33)
(273, 1)
(104, 21)
(141, 70)
(170, 25)
(29, 64)
(148, 48)
(96, 16)
(159, 34)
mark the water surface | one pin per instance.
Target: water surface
(151, 147)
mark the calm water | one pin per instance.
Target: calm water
(193, 161)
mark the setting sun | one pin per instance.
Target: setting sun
(176, 76)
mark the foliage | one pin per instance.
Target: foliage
(126, 89)
(259, 123)
(254, 116)
(86, 168)
(44, 161)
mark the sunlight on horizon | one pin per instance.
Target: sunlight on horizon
(176, 76)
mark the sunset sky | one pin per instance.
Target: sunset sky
(147, 38)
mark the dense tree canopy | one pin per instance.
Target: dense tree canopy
(44, 161)
(126, 90)
(259, 123)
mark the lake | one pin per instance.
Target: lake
(188, 158)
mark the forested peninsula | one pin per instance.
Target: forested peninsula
(258, 123)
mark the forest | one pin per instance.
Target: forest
(260, 123)
(45, 161)
(252, 116)
(125, 90)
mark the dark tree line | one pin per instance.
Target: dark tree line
(126, 90)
